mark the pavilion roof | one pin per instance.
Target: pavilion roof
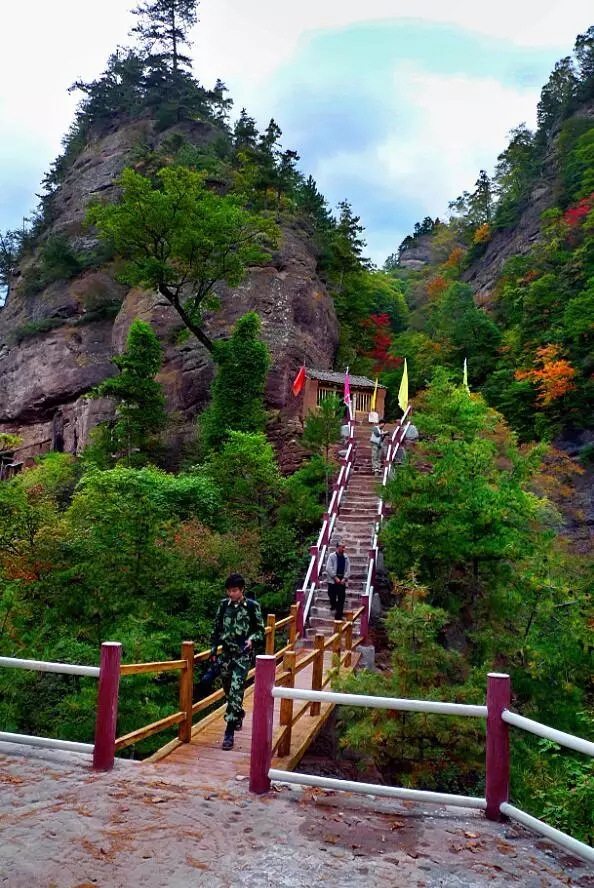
(338, 379)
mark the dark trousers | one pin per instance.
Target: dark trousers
(336, 594)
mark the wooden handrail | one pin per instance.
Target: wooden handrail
(205, 655)
(148, 730)
(330, 640)
(208, 701)
(143, 668)
(317, 673)
(284, 622)
(286, 707)
(279, 738)
(270, 633)
(305, 661)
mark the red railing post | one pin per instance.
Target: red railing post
(300, 599)
(326, 525)
(261, 753)
(365, 618)
(497, 777)
(107, 706)
(315, 552)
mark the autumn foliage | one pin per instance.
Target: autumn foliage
(554, 376)
(381, 343)
(436, 286)
(576, 214)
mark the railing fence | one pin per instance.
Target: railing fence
(497, 760)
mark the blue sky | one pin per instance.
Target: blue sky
(397, 115)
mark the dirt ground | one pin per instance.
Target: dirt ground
(158, 826)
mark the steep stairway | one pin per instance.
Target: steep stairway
(354, 527)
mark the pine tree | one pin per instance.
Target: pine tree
(238, 389)
(164, 25)
(139, 399)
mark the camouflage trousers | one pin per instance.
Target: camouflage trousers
(234, 672)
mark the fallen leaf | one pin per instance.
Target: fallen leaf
(397, 824)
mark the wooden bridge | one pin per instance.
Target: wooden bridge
(294, 728)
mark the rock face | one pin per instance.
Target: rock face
(521, 237)
(417, 254)
(508, 242)
(57, 344)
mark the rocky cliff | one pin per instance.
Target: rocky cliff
(56, 344)
(519, 239)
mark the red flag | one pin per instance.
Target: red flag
(299, 382)
(347, 387)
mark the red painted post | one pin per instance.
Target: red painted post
(107, 706)
(326, 537)
(365, 618)
(261, 754)
(300, 599)
(497, 777)
(314, 552)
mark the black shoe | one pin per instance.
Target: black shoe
(239, 723)
(228, 739)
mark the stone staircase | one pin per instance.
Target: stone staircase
(354, 526)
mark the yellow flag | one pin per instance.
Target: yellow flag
(403, 391)
(465, 379)
(374, 396)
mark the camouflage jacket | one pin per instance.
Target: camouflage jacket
(237, 623)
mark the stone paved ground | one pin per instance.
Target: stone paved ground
(158, 826)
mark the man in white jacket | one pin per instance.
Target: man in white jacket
(338, 570)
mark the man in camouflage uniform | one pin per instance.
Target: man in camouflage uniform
(239, 628)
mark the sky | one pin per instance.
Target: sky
(395, 106)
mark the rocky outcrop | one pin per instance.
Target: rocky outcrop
(416, 254)
(517, 241)
(57, 344)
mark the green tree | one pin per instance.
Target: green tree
(246, 472)
(468, 518)
(557, 98)
(469, 332)
(140, 403)
(182, 239)
(322, 429)
(163, 25)
(515, 174)
(237, 403)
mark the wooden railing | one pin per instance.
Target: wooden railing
(498, 717)
(109, 673)
(305, 595)
(341, 644)
(396, 442)
(186, 667)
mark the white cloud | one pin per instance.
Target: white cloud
(247, 41)
(432, 159)
(49, 45)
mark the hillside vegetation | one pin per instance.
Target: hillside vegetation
(112, 546)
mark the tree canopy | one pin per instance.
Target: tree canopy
(181, 239)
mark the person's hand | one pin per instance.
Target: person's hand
(248, 645)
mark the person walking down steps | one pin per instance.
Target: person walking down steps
(239, 628)
(377, 445)
(338, 570)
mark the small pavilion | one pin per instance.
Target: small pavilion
(319, 384)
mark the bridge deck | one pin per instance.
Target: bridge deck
(204, 751)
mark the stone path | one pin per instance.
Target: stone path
(141, 826)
